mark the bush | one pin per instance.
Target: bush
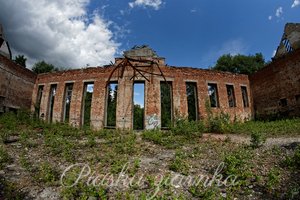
(257, 139)
(219, 123)
(4, 158)
(188, 128)
(237, 163)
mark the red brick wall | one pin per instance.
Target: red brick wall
(178, 77)
(16, 85)
(279, 80)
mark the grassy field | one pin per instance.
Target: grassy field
(55, 161)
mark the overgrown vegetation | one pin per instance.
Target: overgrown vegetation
(41, 152)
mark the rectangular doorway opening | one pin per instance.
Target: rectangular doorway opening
(67, 102)
(138, 105)
(192, 101)
(166, 104)
(111, 104)
(87, 103)
(51, 102)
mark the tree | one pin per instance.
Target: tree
(21, 60)
(138, 117)
(240, 64)
(43, 67)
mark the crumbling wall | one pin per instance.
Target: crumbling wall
(16, 85)
(290, 40)
(276, 87)
(178, 76)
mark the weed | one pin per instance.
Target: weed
(273, 179)
(25, 163)
(179, 164)
(257, 139)
(294, 160)
(237, 163)
(10, 191)
(47, 173)
(202, 192)
(188, 128)
(4, 158)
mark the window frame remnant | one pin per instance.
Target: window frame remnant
(86, 104)
(231, 95)
(67, 101)
(107, 105)
(52, 94)
(245, 96)
(135, 124)
(192, 101)
(166, 111)
(297, 98)
(213, 95)
(283, 102)
(39, 100)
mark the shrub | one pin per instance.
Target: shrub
(4, 158)
(47, 173)
(257, 139)
(237, 163)
(188, 128)
(219, 123)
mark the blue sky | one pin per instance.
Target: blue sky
(196, 32)
(80, 33)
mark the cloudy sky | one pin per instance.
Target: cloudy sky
(80, 33)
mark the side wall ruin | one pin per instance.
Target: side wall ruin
(16, 85)
(276, 87)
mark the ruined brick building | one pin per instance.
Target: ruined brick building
(84, 96)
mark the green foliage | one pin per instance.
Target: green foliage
(166, 104)
(238, 163)
(273, 179)
(47, 173)
(84, 192)
(257, 139)
(240, 63)
(43, 67)
(179, 163)
(219, 123)
(21, 60)
(294, 160)
(207, 193)
(188, 128)
(270, 128)
(10, 191)
(112, 104)
(138, 117)
(4, 158)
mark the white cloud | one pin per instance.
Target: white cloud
(270, 17)
(296, 3)
(60, 32)
(156, 4)
(279, 12)
(232, 47)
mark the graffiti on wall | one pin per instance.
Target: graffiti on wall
(152, 122)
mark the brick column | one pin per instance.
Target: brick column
(76, 104)
(124, 104)
(98, 104)
(58, 102)
(152, 104)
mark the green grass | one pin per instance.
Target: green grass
(45, 149)
(270, 128)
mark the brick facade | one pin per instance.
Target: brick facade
(177, 76)
(16, 85)
(276, 87)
